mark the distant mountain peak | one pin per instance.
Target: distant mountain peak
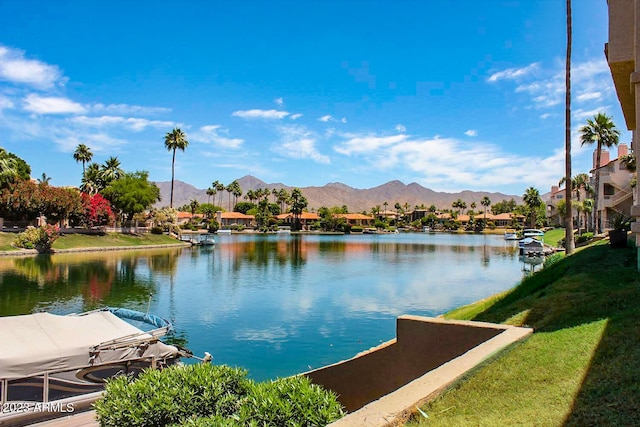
(337, 194)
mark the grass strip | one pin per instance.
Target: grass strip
(580, 367)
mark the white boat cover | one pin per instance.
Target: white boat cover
(35, 343)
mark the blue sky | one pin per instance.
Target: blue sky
(453, 95)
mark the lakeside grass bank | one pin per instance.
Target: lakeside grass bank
(84, 242)
(580, 367)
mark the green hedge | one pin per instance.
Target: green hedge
(214, 395)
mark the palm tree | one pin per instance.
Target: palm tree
(210, 192)
(82, 154)
(111, 170)
(92, 181)
(486, 202)
(174, 140)
(569, 243)
(532, 200)
(602, 131)
(298, 203)
(219, 187)
(44, 179)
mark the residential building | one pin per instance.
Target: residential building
(307, 219)
(616, 191)
(356, 219)
(623, 56)
(229, 219)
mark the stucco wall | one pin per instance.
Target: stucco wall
(422, 344)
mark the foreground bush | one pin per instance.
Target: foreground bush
(40, 238)
(158, 398)
(214, 395)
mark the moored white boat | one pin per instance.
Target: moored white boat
(63, 361)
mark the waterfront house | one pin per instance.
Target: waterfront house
(231, 219)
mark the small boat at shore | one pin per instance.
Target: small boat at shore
(510, 235)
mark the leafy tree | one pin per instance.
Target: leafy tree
(264, 216)
(96, 211)
(165, 218)
(174, 140)
(12, 168)
(133, 193)
(82, 154)
(603, 132)
(244, 207)
(533, 201)
(505, 206)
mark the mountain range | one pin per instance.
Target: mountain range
(337, 194)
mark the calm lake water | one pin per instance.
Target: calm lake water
(274, 304)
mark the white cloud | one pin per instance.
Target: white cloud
(343, 120)
(5, 103)
(132, 123)
(69, 139)
(210, 134)
(450, 164)
(325, 118)
(357, 144)
(51, 105)
(126, 109)
(299, 143)
(260, 114)
(295, 116)
(514, 73)
(589, 95)
(471, 132)
(15, 68)
(279, 101)
(401, 128)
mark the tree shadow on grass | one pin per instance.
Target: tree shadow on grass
(594, 284)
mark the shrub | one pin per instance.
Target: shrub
(156, 230)
(289, 401)
(205, 395)
(356, 229)
(40, 238)
(553, 259)
(213, 226)
(158, 398)
(584, 237)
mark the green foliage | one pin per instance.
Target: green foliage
(584, 237)
(289, 401)
(213, 395)
(553, 259)
(156, 230)
(356, 229)
(244, 207)
(17, 168)
(40, 238)
(132, 193)
(505, 206)
(213, 226)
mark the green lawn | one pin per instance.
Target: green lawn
(580, 367)
(552, 237)
(70, 241)
(111, 239)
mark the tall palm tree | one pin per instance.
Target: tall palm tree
(82, 154)
(569, 243)
(486, 202)
(533, 201)
(219, 187)
(210, 192)
(603, 132)
(174, 140)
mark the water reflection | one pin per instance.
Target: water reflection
(273, 304)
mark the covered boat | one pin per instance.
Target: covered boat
(47, 358)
